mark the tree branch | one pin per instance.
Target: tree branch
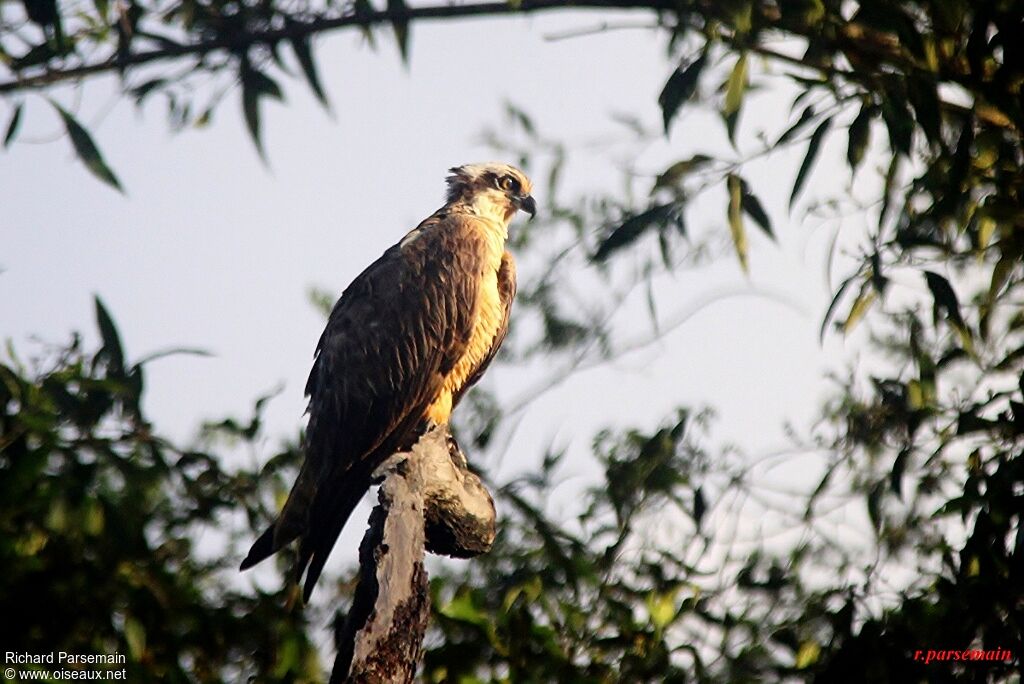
(300, 29)
(429, 500)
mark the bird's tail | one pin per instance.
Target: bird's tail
(290, 524)
(333, 512)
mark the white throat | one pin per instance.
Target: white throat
(493, 206)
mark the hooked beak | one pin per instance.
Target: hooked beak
(528, 204)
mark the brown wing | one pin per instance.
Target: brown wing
(507, 292)
(393, 335)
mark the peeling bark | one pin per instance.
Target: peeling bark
(429, 500)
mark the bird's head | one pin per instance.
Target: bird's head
(494, 189)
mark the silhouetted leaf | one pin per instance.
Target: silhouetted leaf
(944, 296)
(398, 8)
(805, 118)
(819, 490)
(752, 206)
(700, 506)
(679, 88)
(739, 236)
(899, 464)
(635, 226)
(900, 124)
(141, 91)
(255, 85)
(860, 130)
(86, 149)
(833, 304)
(809, 157)
(925, 100)
(878, 279)
(111, 349)
(12, 127)
(874, 503)
(37, 54)
(300, 45)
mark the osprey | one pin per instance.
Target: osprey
(402, 345)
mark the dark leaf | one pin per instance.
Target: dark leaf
(300, 45)
(819, 490)
(255, 85)
(900, 124)
(86, 149)
(679, 88)
(860, 130)
(42, 12)
(37, 54)
(898, 466)
(699, 506)
(835, 302)
(752, 206)
(12, 127)
(945, 298)
(635, 226)
(812, 153)
(665, 248)
(874, 501)
(398, 9)
(111, 349)
(925, 101)
(140, 92)
(805, 118)
(878, 279)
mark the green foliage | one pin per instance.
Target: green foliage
(101, 520)
(597, 599)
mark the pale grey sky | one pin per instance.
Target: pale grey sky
(211, 249)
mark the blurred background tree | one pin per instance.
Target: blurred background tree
(646, 579)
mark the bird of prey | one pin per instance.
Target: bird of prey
(402, 345)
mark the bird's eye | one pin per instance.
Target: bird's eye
(507, 183)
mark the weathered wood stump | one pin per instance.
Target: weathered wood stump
(429, 500)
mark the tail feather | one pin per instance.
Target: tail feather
(317, 511)
(261, 549)
(316, 546)
(291, 523)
